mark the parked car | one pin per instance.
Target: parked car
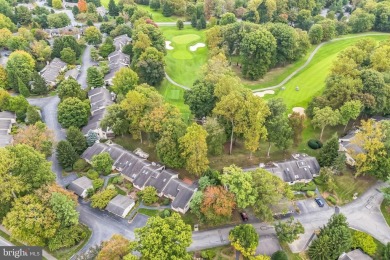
(244, 216)
(319, 202)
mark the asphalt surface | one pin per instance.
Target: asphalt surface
(86, 63)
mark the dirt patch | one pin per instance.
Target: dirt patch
(263, 93)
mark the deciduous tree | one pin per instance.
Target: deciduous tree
(94, 77)
(350, 110)
(244, 239)
(240, 184)
(73, 112)
(92, 35)
(77, 139)
(66, 154)
(216, 136)
(116, 120)
(289, 231)
(150, 66)
(161, 233)
(37, 136)
(70, 88)
(101, 199)
(194, 149)
(217, 204)
(200, 98)
(115, 248)
(68, 55)
(65, 209)
(19, 65)
(149, 195)
(329, 152)
(124, 81)
(324, 117)
(102, 163)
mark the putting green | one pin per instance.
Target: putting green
(184, 39)
(182, 55)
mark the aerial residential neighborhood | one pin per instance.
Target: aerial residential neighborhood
(205, 129)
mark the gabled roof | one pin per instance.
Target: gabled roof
(5, 124)
(126, 159)
(118, 57)
(51, 71)
(133, 168)
(94, 122)
(183, 197)
(160, 180)
(95, 149)
(5, 140)
(119, 204)
(96, 91)
(121, 41)
(146, 172)
(80, 185)
(74, 73)
(302, 167)
(356, 254)
(7, 115)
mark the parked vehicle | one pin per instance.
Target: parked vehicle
(319, 202)
(244, 216)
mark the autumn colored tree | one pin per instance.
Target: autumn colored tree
(194, 149)
(37, 136)
(115, 248)
(324, 117)
(82, 5)
(217, 204)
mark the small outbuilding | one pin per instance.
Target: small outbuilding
(120, 205)
(80, 186)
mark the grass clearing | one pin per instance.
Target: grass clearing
(347, 185)
(221, 253)
(157, 16)
(183, 65)
(149, 212)
(385, 208)
(311, 80)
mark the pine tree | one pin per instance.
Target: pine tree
(76, 138)
(194, 21)
(167, 10)
(94, 77)
(39, 86)
(112, 8)
(329, 152)
(92, 137)
(66, 154)
(23, 90)
(203, 23)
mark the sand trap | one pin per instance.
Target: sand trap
(196, 46)
(168, 45)
(263, 93)
(299, 110)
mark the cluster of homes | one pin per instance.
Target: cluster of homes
(141, 173)
(7, 119)
(54, 68)
(117, 59)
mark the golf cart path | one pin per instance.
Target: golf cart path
(297, 70)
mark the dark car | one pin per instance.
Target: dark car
(319, 202)
(244, 216)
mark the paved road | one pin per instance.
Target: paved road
(86, 63)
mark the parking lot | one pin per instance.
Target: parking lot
(309, 205)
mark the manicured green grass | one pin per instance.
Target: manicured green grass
(149, 212)
(311, 80)
(157, 16)
(385, 208)
(175, 96)
(183, 65)
(347, 185)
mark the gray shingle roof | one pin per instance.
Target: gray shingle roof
(160, 180)
(5, 140)
(183, 197)
(96, 91)
(74, 73)
(94, 121)
(356, 254)
(51, 71)
(7, 115)
(118, 57)
(80, 185)
(121, 41)
(119, 204)
(95, 149)
(5, 124)
(144, 175)
(301, 168)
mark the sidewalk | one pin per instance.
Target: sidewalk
(45, 254)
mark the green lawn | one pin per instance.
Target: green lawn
(385, 208)
(183, 65)
(157, 16)
(347, 185)
(175, 96)
(149, 212)
(311, 80)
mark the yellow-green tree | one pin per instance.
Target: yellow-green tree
(194, 149)
(371, 139)
(3, 77)
(244, 239)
